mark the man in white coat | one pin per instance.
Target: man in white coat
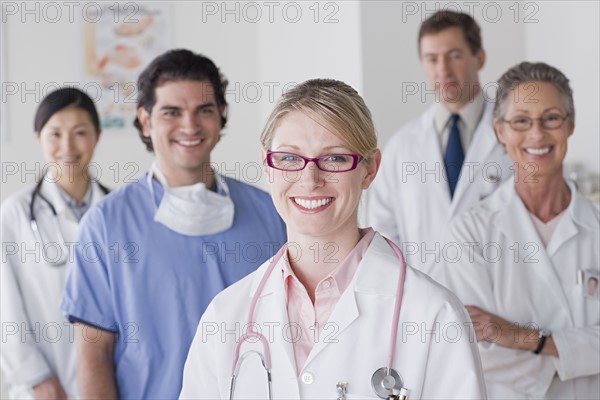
(446, 159)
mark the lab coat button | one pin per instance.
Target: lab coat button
(308, 378)
(326, 284)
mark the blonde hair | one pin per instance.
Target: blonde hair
(333, 104)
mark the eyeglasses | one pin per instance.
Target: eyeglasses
(328, 163)
(550, 121)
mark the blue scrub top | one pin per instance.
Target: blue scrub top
(150, 285)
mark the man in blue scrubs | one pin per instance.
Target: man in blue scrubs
(152, 255)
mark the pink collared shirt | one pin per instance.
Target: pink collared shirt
(310, 320)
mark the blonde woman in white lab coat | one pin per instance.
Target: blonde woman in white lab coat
(326, 309)
(38, 353)
(529, 250)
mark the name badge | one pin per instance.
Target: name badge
(588, 281)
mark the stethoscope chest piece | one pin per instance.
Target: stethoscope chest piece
(386, 384)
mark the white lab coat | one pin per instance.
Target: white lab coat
(409, 201)
(37, 341)
(434, 353)
(527, 283)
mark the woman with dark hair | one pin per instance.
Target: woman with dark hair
(39, 226)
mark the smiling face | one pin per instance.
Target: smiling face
(68, 139)
(184, 126)
(312, 202)
(543, 148)
(451, 68)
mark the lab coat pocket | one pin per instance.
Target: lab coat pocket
(586, 309)
(497, 390)
(360, 389)
(592, 310)
(351, 395)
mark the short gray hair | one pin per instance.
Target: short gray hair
(533, 72)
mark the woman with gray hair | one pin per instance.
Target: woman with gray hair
(528, 249)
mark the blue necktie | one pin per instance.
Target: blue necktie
(454, 157)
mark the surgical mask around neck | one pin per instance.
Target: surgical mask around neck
(192, 210)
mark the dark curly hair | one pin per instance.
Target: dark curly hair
(178, 65)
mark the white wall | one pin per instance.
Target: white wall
(567, 37)
(562, 33)
(329, 48)
(281, 48)
(371, 45)
(289, 43)
(392, 71)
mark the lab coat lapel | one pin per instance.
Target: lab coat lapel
(67, 223)
(482, 144)
(564, 230)
(433, 173)
(367, 279)
(51, 191)
(272, 306)
(567, 226)
(373, 267)
(515, 222)
(97, 193)
(344, 313)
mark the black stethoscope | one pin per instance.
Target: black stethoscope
(62, 259)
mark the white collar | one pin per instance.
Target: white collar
(470, 114)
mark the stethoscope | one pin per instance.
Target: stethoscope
(34, 226)
(386, 381)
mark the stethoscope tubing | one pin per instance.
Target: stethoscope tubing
(36, 230)
(37, 193)
(251, 332)
(33, 220)
(398, 303)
